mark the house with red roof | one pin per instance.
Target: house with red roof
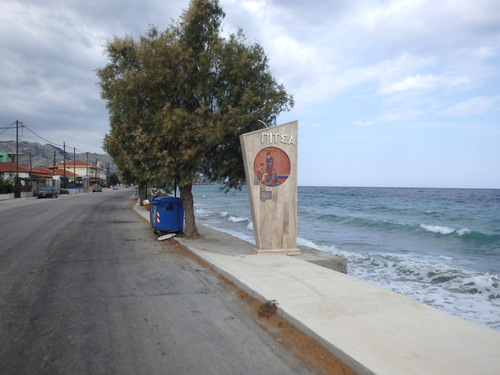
(72, 176)
(94, 173)
(42, 172)
(38, 177)
(9, 170)
(81, 168)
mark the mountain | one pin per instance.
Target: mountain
(43, 155)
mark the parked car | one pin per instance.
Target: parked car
(47, 192)
(97, 188)
(115, 187)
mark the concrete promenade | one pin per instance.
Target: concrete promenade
(370, 329)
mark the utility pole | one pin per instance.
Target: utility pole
(31, 173)
(87, 177)
(54, 171)
(74, 165)
(64, 163)
(17, 184)
(17, 147)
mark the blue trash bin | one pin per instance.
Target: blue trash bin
(167, 214)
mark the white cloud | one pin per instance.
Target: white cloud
(406, 45)
(363, 123)
(426, 82)
(416, 82)
(399, 115)
(363, 63)
(252, 6)
(477, 105)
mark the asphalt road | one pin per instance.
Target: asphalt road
(87, 289)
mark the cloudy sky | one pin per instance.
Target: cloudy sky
(388, 92)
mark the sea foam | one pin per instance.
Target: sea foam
(437, 229)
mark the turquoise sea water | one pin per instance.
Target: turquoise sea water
(438, 246)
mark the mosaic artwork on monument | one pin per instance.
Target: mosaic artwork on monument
(271, 166)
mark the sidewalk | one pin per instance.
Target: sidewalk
(370, 329)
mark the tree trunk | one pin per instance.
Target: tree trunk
(188, 204)
(143, 192)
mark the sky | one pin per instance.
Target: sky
(401, 93)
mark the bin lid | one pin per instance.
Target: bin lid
(163, 201)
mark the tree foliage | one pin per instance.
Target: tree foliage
(114, 179)
(179, 99)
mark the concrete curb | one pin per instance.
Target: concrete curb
(370, 329)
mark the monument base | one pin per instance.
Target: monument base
(293, 251)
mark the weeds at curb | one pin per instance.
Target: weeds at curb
(268, 309)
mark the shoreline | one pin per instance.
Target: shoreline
(369, 329)
(426, 246)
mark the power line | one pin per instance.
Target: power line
(13, 126)
(10, 126)
(52, 143)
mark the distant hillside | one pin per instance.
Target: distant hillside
(43, 155)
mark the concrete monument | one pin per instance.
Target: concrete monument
(270, 159)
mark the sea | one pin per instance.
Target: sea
(437, 246)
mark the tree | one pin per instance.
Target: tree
(6, 187)
(179, 99)
(113, 179)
